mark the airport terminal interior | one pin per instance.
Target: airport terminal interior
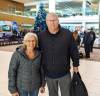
(18, 17)
(23, 12)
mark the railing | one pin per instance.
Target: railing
(33, 14)
(18, 13)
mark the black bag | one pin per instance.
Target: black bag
(78, 87)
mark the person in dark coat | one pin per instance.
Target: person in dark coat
(25, 73)
(57, 46)
(93, 36)
(87, 43)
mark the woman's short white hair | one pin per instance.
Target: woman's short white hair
(30, 35)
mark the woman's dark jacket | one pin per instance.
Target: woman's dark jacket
(56, 52)
(78, 40)
(24, 74)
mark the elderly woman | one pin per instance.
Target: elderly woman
(25, 69)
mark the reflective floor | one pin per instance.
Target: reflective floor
(89, 70)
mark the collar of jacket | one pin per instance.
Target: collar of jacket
(59, 31)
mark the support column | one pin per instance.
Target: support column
(84, 13)
(99, 17)
(37, 6)
(84, 26)
(52, 6)
(99, 24)
(84, 8)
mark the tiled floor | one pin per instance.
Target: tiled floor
(89, 70)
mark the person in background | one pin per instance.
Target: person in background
(57, 46)
(87, 43)
(15, 32)
(76, 38)
(25, 73)
(93, 36)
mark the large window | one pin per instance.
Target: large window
(65, 8)
(31, 8)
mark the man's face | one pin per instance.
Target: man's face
(52, 22)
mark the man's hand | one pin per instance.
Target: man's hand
(42, 89)
(15, 94)
(75, 69)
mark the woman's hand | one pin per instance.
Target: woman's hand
(15, 94)
(42, 89)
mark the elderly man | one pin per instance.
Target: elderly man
(57, 47)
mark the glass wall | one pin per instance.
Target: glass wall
(32, 7)
(66, 8)
(92, 7)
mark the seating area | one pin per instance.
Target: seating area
(12, 40)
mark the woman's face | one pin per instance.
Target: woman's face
(30, 42)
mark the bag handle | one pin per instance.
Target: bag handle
(76, 75)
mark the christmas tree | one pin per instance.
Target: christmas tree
(40, 20)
